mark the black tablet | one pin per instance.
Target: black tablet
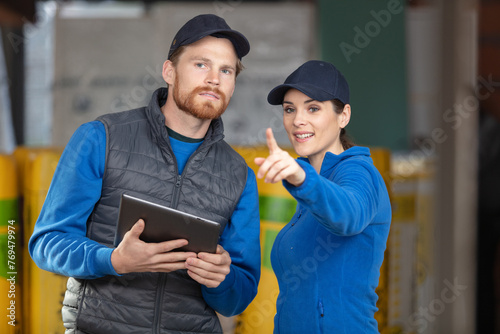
(164, 223)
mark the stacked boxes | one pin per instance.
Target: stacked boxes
(411, 284)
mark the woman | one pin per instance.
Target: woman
(327, 258)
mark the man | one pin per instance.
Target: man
(171, 152)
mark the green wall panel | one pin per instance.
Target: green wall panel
(365, 39)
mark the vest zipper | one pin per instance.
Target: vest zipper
(163, 276)
(175, 196)
(159, 303)
(175, 202)
(178, 183)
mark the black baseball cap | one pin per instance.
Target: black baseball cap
(317, 79)
(209, 25)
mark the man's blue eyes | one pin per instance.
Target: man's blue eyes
(201, 65)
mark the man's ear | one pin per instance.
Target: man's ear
(168, 72)
(345, 117)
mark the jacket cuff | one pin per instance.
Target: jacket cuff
(103, 265)
(309, 182)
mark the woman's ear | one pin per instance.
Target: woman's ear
(168, 72)
(345, 116)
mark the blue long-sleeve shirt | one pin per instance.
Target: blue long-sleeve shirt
(59, 243)
(327, 258)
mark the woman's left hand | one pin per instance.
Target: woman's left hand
(279, 165)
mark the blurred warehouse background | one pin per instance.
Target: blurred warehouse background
(425, 96)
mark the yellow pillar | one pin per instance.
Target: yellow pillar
(277, 207)
(44, 291)
(382, 161)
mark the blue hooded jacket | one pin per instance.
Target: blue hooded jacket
(327, 258)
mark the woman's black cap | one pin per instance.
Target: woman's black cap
(317, 79)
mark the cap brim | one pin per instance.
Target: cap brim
(276, 95)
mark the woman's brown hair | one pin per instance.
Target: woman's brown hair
(338, 107)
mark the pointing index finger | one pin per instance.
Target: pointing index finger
(271, 142)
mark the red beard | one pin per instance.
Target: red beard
(203, 110)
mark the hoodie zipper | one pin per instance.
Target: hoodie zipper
(277, 243)
(322, 315)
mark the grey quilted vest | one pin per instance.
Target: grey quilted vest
(140, 162)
